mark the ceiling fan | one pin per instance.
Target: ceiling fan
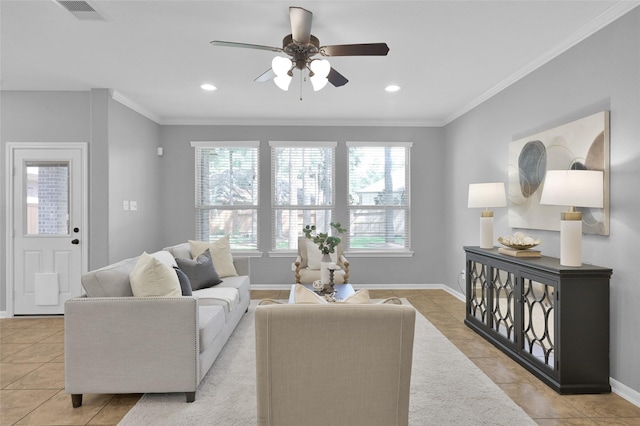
(302, 46)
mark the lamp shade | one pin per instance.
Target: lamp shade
(484, 195)
(575, 188)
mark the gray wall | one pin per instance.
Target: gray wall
(427, 170)
(134, 175)
(122, 159)
(37, 117)
(601, 73)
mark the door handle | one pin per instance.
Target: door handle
(75, 241)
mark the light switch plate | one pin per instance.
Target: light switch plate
(125, 205)
(133, 205)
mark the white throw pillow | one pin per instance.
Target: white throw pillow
(304, 295)
(150, 277)
(220, 254)
(165, 257)
(359, 297)
(314, 255)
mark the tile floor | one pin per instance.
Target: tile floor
(32, 373)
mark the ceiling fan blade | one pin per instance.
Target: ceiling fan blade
(245, 45)
(336, 78)
(365, 49)
(266, 76)
(300, 24)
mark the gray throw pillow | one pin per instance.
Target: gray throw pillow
(200, 271)
(185, 284)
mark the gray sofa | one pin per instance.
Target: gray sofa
(117, 343)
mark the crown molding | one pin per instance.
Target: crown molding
(119, 97)
(614, 12)
(252, 121)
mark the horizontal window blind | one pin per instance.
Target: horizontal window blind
(379, 196)
(227, 193)
(302, 179)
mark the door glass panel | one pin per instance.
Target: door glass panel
(503, 310)
(46, 207)
(478, 291)
(538, 326)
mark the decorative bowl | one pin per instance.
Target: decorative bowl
(518, 245)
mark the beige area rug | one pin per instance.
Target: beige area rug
(446, 388)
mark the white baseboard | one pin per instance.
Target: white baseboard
(625, 392)
(3, 314)
(446, 288)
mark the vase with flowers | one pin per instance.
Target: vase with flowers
(326, 244)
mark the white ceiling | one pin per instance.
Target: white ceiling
(448, 56)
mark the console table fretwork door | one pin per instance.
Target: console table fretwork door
(552, 319)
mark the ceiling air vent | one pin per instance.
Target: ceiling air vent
(80, 9)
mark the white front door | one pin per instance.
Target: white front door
(48, 225)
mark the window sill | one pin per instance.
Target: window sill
(246, 253)
(352, 253)
(379, 253)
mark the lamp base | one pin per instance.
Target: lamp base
(571, 242)
(486, 232)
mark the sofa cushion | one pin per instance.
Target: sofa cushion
(151, 277)
(110, 281)
(211, 321)
(201, 271)
(185, 284)
(226, 297)
(220, 253)
(310, 275)
(240, 283)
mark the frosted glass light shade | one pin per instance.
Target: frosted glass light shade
(483, 195)
(320, 69)
(281, 66)
(576, 188)
(282, 81)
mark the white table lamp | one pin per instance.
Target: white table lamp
(485, 195)
(573, 188)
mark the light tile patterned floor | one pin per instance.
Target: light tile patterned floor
(32, 373)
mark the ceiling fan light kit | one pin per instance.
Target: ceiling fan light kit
(301, 46)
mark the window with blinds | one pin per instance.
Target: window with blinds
(226, 175)
(379, 196)
(302, 181)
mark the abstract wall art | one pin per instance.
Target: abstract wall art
(583, 145)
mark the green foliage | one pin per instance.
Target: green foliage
(326, 243)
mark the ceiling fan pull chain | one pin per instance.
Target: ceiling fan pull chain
(300, 85)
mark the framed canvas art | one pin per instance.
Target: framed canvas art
(580, 145)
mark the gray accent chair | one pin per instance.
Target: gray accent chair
(331, 364)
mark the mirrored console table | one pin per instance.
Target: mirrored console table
(551, 319)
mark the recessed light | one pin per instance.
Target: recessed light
(392, 88)
(208, 87)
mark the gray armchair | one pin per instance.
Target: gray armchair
(333, 364)
(306, 275)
